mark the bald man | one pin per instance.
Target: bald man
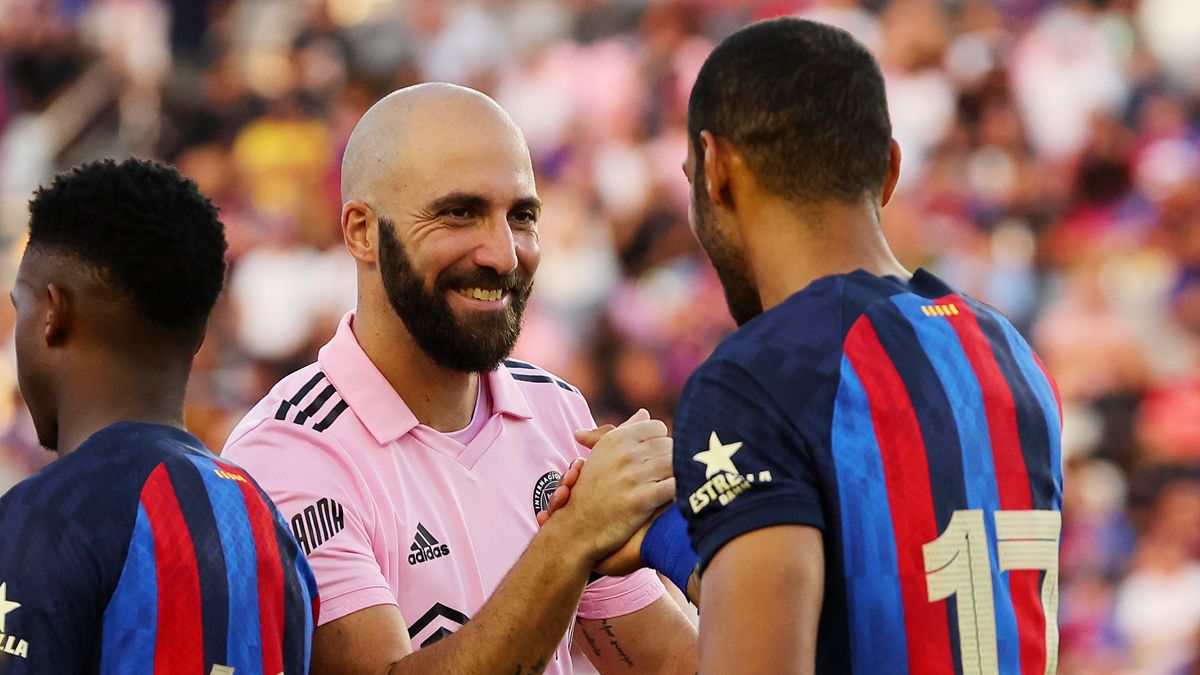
(412, 458)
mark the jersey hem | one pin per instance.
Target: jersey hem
(628, 601)
(353, 601)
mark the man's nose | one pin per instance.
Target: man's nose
(496, 248)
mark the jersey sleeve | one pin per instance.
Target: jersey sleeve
(305, 474)
(609, 597)
(740, 465)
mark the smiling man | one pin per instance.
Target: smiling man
(411, 459)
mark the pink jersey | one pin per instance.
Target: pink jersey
(390, 511)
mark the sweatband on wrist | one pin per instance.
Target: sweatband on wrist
(666, 548)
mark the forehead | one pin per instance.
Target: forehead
(490, 160)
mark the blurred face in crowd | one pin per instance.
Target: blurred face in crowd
(728, 259)
(458, 238)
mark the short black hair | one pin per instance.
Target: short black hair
(803, 102)
(145, 228)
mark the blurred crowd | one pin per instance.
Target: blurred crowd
(1051, 168)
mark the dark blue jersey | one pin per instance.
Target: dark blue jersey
(142, 552)
(916, 428)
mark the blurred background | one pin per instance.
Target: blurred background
(1051, 168)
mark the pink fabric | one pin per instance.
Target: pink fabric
(389, 475)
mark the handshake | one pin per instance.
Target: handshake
(620, 503)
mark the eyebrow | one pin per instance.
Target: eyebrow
(479, 203)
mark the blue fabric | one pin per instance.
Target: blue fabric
(131, 619)
(871, 568)
(666, 548)
(241, 567)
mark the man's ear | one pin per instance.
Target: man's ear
(715, 156)
(57, 316)
(360, 228)
(893, 174)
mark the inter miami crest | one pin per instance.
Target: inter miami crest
(545, 486)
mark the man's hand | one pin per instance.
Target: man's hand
(626, 559)
(626, 478)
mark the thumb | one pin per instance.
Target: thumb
(640, 416)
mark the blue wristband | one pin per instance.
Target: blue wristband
(666, 548)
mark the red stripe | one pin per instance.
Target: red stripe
(910, 496)
(179, 644)
(270, 573)
(1012, 477)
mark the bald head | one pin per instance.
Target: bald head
(440, 211)
(412, 125)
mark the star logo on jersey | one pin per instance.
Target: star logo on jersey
(723, 482)
(718, 458)
(9, 644)
(6, 605)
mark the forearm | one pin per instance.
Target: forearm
(658, 638)
(521, 625)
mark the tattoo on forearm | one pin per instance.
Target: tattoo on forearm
(588, 636)
(612, 640)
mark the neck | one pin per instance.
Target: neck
(788, 248)
(112, 389)
(439, 397)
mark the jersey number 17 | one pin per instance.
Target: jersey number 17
(959, 563)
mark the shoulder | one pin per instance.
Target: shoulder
(298, 412)
(292, 459)
(542, 388)
(531, 391)
(797, 345)
(527, 374)
(106, 474)
(306, 398)
(806, 324)
(70, 524)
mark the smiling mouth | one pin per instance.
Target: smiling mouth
(485, 295)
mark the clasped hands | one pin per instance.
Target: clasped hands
(623, 486)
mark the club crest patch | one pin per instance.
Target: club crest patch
(543, 488)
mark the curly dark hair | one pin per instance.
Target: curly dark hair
(145, 228)
(803, 102)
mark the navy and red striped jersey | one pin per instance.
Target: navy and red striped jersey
(917, 429)
(143, 552)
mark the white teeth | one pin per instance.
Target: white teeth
(480, 294)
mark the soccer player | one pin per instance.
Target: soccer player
(870, 464)
(138, 550)
(412, 458)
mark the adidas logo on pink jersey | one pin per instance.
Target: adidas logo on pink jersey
(425, 547)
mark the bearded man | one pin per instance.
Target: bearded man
(412, 458)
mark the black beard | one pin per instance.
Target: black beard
(740, 294)
(474, 344)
